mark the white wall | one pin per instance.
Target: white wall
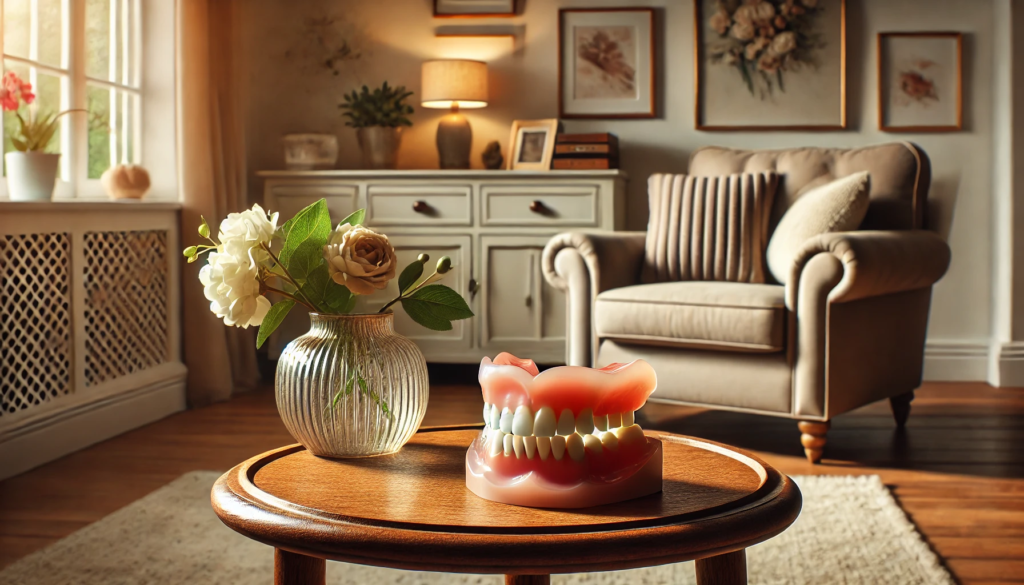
(291, 92)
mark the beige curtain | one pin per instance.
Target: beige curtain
(211, 165)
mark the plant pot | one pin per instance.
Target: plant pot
(320, 397)
(379, 145)
(31, 176)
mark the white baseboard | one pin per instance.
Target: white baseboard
(956, 361)
(68, 431)
(1006, 364)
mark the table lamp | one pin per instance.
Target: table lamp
(454, 84)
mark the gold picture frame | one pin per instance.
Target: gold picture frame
(525, 153)
(918, 84)
(702, 20)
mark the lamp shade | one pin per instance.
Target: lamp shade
(450, 82)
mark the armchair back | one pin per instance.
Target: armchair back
(900, 177)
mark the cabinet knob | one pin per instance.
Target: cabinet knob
(537, 206)
(420, 207)
(474, 286)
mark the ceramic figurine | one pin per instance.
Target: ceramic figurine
(492, 156)
(125, 182)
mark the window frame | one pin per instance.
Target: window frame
(74, 182)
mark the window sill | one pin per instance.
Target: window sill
(83, 204)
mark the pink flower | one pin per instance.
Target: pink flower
(13, 91)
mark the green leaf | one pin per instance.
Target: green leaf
(357, 217)
(409, 276)
(272, 320)
(308, 233)
(383, 405)
(327, 294)
(435, 306)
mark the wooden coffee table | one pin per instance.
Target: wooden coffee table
(412, 510)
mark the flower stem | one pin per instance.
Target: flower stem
(298, 290)
(409, 292)
(292, 297)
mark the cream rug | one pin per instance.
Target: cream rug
(850, 531)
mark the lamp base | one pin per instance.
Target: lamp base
(454, 138)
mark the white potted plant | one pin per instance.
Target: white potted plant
(31, 172)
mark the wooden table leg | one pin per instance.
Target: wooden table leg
(727, 569)
(527, 579)
(295, 569)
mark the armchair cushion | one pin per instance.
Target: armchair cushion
(708, 228)
(704, 315)
(836, 206)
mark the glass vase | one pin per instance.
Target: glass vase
(351, 386)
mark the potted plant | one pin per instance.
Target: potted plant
(31, 172)
(351, 387)
(378, 117)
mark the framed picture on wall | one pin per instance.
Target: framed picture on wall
(606, 63)
(920, 81)
(771, 65)
(532, 144)
(481, 8)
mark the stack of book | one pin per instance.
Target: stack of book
(586, 151)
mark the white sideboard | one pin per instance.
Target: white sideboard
(493, 224)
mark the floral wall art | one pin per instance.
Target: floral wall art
(919, 82)
(770, 64)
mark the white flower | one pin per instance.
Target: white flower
(742, 30)
(231, 285)
(360, 259)
(241, 232)
(754, 47)
(809, 3)
(720, 21)
(783, 43)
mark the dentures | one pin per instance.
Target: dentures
(564, 438)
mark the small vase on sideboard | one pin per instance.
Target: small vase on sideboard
(379, 145)
(32, 175)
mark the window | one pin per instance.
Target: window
(82, 54)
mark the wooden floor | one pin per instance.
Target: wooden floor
(958, 470)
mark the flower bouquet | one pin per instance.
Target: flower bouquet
(764, 38)
(351, 386)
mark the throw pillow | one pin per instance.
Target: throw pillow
(708, 228)
(837, 206)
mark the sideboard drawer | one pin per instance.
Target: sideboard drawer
(540, 205)
(419, 205)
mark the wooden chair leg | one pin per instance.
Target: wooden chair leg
(813, 438)
(901, 407)
(727, 569)
(295, 569)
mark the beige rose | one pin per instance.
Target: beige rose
(720, 21)
(783, 43)
(763, 11)
(769, 63)
(360, 259)
(743, 31)
(754, 47)
(809, 3)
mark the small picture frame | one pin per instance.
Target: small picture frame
(920, 81)
(606, 63)
(532, 144)
(471, 8)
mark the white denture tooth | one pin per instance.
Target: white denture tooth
(585, 422)
(522, 422)
(544, 423)
(630, 435)
(592, 443)
(610, 441)
(566, 424)
(558, 447)
(506, 420)
(517, 446)
(487, 413)
(497, 443)
(574, 445)
(614, 420)
(628, 419)
(495, 417)
(507, 443)
(530, 444)
(543, 447)
(601, 422)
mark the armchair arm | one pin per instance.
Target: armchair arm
(583, 265)
(873, 263)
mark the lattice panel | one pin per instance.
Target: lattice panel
(126, 277)
(35, 320)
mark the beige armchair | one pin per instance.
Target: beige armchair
(847, 330)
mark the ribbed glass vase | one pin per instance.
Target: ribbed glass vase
(351, 386)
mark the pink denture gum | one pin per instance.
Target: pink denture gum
(565, 438)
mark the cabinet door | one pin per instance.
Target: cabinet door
(521, 313)
(437, 346)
